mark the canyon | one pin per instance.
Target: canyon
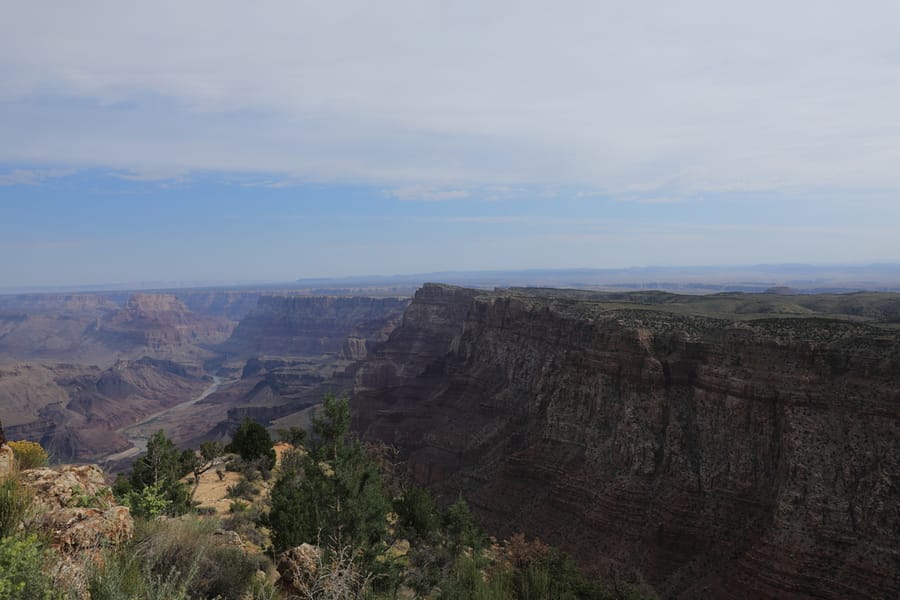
(733, 445)
(90, 375)
(729, 445)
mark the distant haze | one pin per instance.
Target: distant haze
(227, 141)
(803, 279)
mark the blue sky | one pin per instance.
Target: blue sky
(220, 141)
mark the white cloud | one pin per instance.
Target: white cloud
(32, 176)
(674, 97)
(428, 194)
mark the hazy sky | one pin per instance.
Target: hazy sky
(165, 141)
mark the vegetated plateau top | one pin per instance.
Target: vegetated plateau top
(872, 308)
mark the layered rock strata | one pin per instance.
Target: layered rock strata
(727, 458)
(316, 325)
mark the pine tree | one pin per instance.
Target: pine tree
(252, 441)
(161, 467)
(334, 494)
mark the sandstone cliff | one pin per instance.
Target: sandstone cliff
(744, 456)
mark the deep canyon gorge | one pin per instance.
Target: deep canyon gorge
(730, 445)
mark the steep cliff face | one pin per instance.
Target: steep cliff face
(731, 458)
(294, 325)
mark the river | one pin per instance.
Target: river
(137, 433)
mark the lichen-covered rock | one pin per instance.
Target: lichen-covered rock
(74, 529)
(67, 486)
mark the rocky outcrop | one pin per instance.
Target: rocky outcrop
(79, 516)
(744, 457)
(316, 325)
(62, 487)
(77, 508)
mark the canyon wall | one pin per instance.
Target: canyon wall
(720, 457)
(316, 325)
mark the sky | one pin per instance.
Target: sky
(235, 141)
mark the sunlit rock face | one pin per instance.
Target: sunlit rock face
(721, 458)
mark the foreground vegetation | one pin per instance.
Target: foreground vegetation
(357, 527)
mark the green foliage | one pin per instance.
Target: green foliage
(29, 455)
(467, 582)
(250, 441)
(174, 560)
(22, 567)
(242, 489)
(121, 487)
(331, 429)
(99, 499)
(294, 436)
(124, 575)
(211, 450)
(149, 502)
(461, 527)
(335, 491)
(162, 466)
(418, 511)
(15, 505)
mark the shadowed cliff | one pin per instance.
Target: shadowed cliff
(735, 446)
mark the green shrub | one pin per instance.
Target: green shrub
(461, 527)
(148, 502)
(336, 492)
(15, 505)
(242, 489)
(162, 466)
(176, 560)
(250, 441)
(467, 581)
(294, 436)
(123, 575)
(417, 511)
(22, 568)
(245, 522)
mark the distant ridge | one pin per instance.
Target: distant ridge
(801, 278)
